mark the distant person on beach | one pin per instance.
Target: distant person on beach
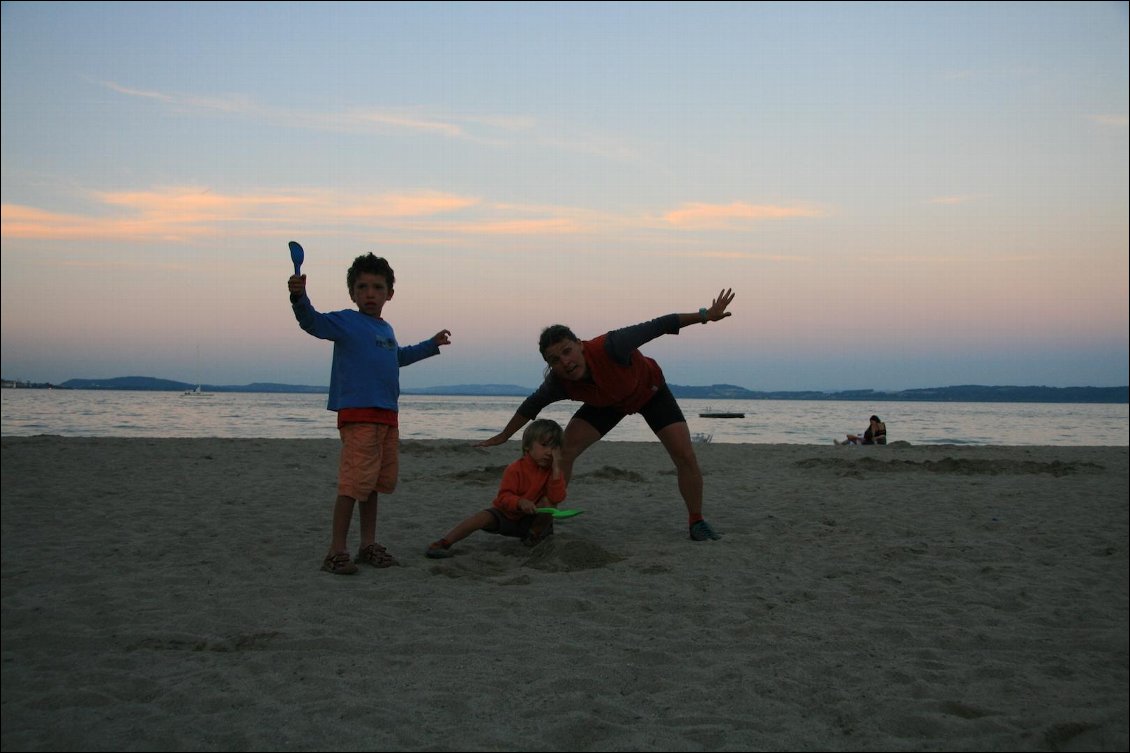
(364, 391)
(875, 433)
(613, 379)
(533, 481)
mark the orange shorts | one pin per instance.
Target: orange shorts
(370, 460)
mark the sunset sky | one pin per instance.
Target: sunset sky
(901, 194)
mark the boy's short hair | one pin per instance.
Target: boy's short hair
(554, 334)
(374, 265)
(544, 430)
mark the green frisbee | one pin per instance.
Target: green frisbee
(559, 513)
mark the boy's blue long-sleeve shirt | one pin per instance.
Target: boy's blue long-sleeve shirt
(365, 372)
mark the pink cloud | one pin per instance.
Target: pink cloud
(36, 224)
(406, 205)
(951, 200)
(548, 226)
(184, 213)
(699, 215)
(1119, 120)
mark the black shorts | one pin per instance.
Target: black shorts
(504, 526)
(659, 412)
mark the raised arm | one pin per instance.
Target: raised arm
(716, 312)
(622, 342)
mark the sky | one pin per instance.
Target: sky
(901, 195)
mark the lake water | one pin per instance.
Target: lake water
(95, 413)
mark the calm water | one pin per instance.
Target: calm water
(89, 413)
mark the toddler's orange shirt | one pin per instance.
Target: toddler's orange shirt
(525, 479)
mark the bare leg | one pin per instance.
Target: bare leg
(370, 551)
(368, 514)
(579, 436)
(343, 516)
(676, 438)
(480, 520)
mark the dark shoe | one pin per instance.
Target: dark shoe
(436, 551)
(338, 563)
(701, 531)
(376, 555)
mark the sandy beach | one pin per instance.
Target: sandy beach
(166, 595)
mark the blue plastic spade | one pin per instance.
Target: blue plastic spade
(296, 256)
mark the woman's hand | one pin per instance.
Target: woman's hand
(717, 308)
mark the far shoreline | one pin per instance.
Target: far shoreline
(955, 394)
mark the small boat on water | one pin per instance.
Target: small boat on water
(721, 414)
(197, 392)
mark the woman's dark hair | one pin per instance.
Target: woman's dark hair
(876, 419)
(369, 264)
(554, 334)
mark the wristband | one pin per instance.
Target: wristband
(702, 315)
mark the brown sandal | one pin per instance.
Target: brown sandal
(338, 563)
(376, 555)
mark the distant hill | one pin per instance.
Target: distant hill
(975, 393)
(481, 390)
(152, 384)
(968, 393)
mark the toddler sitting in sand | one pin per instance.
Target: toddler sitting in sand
(534, 480)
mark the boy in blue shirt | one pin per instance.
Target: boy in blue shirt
(364, 391)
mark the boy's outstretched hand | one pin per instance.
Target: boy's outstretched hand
(443, 337)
